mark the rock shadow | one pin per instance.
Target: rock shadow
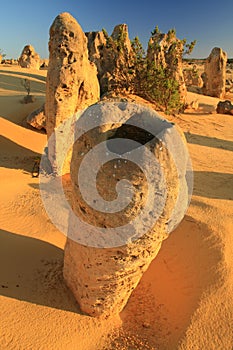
(14, 156)
(31, 270)
(13, 83)
(160, 309)
(35, 76)
(213, 185)
(209, 141)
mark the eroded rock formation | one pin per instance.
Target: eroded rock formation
(112, 56)
(192, 78)
(102, 268)
(37, 118)
(29, 58)
(214, 76)
(225, 107)
(166, 50)
(72, 82)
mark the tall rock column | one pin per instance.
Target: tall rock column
(112, 55)
(114, 233)
(72, 83)
(166, 50)
(215, 73)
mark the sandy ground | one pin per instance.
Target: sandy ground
(184, 300)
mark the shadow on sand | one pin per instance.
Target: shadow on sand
(14, 83)
(213, 185)
(14, 156)
(35, 76)
(168, 293)
(31, 270)
(209, 141)
(170, 290)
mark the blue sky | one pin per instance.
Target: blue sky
(208, 21)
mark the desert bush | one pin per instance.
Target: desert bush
(105, 32)
(154, 83)
(160, 87)
(155, 31)
(27, 85)
(188, 48)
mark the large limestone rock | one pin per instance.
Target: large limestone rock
(166, 50)
(112, 56)
(107, 252)
(72, 82)
(29, 58)
(215, 73)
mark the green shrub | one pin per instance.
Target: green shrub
(105, 33)
(155, 31)
(154, 83)
(160, 87)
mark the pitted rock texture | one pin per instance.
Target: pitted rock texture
(166, 50)
(29, 58)
(111, 55)
(102, 268)
(72, 82)
(214, 76)
(37, 118)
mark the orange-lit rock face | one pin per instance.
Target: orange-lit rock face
(29, 58)
(215, 73)
(72, 82)
(121, 231)
(113, 57)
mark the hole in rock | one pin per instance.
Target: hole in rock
(129, 133)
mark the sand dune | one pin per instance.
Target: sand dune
(184, 300)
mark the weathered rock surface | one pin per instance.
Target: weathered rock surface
(96, 43)
(29, 58)
(192, 78)
(72, 82)
(166, 50)
(214, 76)
(111, 55)
(104, 262)
(225, 107)
(37, 118)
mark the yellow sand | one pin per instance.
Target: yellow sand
(184, 300)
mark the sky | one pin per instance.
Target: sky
(210, 22)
